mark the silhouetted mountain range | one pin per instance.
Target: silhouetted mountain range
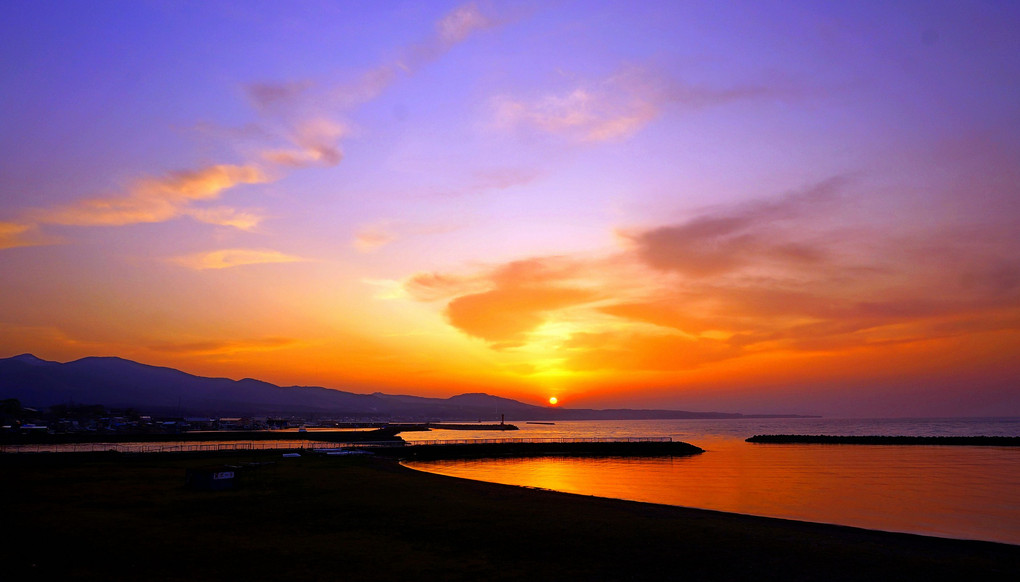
(120, 383)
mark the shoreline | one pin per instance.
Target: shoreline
(923, 534)
(320, 517)
(718, 512)
(539, 448)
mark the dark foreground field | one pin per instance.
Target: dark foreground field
(338, 518)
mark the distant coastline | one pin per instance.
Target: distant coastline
(989, 441)
(116, 383)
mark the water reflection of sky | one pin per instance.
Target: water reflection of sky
(966, 492)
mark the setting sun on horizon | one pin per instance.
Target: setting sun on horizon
(767, 207)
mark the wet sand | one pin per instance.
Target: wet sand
(329, 518)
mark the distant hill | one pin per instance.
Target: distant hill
(120, 383)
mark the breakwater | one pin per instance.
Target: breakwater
(495, 448)
(425, 426)
(988, 441)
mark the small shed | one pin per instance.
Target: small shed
(213, 478)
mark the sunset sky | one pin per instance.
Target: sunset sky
(806, 207)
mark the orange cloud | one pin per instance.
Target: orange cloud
(153, 199)
(505, 315)
(780, 276)
(663, 313)
(226, 258)
(18, 234)
(373, 236)
(504, 305)
(225, 216)
(527, 273)
(313, 140)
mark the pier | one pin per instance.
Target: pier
(423, 426)
(392, 448)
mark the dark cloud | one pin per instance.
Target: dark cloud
(268, 95)
(753, 234)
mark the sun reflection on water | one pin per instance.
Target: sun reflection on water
(963, 492)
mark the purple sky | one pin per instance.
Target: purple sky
(764, 206)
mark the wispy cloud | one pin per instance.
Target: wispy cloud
(372, 237)
(503, 178)
(439, 286)
(248, 220)
(284, 98)
(455, 27)
(311, 114)
(752, 235)
(224, 347)
(317, 143)
(302, 118)
(19, 234)
(227, 258)
(51, 338)
(152, 199)
(459, 23)
(267, 95)
(614, 108)
(582, 114)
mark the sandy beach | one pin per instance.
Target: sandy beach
(327, 518)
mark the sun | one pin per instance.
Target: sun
(553, 400)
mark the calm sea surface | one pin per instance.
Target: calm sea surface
(949, 491)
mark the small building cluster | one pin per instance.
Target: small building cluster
(62, 418)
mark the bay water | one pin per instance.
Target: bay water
(965, 492)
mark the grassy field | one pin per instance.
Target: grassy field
(337, 518)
